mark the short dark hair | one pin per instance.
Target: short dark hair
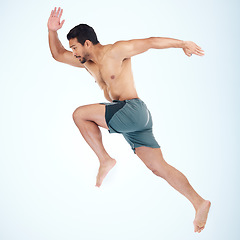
(83, 32)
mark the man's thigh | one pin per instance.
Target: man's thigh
(91, 112)
(151, 157)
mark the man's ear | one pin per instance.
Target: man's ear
(88, 43)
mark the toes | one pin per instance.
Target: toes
(98, 183)
(199, 229)
(195, 228)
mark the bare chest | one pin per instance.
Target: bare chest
(107, 73)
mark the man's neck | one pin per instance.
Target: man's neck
(97, 54)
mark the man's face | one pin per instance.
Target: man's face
(79, 51)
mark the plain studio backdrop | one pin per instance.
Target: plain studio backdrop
(47, 170)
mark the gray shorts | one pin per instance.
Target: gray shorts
(133, 120)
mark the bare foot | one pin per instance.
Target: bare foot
(104, 169)
(201, 216)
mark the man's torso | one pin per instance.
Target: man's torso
(114, 77)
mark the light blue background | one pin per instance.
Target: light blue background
(47, 170)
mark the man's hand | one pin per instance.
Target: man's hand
(192, 48)
(54, 20)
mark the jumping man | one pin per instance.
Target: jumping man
(125, 113)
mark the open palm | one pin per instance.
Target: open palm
(54, 19)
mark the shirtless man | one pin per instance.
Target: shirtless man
(126, 113)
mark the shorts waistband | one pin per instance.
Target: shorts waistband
(127, 100)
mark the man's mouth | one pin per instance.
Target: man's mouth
(78, 58)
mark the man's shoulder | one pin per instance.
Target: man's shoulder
(115, 49)
(120, 43)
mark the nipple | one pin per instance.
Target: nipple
(112, 77)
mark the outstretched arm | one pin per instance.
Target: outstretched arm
(188, 47)
(127, 49)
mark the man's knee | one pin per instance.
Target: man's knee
(160, 171)
(157, 172)
(154, 168)
(78, 113)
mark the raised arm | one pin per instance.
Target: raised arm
(58, 52)
(127, 49)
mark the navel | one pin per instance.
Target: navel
(113, 76)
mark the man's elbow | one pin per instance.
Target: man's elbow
(56, 57)
(151, 42)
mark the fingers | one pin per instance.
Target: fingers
(193, 48)
(54, 12)
(62, 23)
(189, 53)
(57, 13)
(60, 13)
(199, 52)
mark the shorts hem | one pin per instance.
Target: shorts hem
(134, 148)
